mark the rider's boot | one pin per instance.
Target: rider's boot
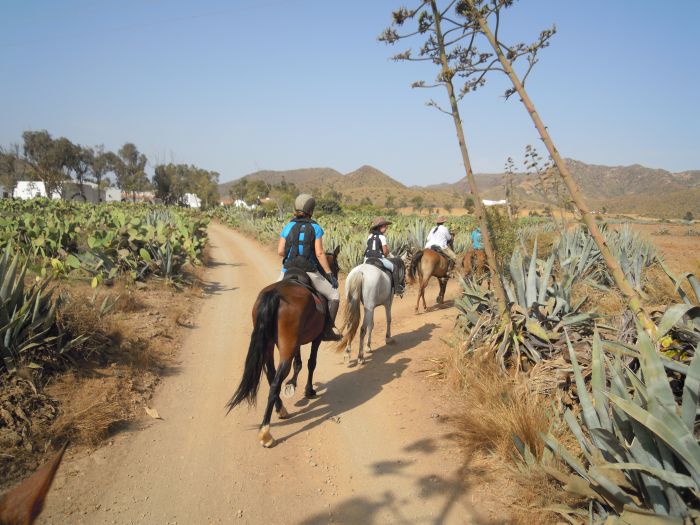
(329, 333)
(398, 288)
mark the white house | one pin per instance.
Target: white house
(487, 202)
(29, 189)
(192, 201)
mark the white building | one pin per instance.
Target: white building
(192, 201)
(487, 202)
(30, 189)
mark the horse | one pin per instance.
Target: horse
(425, 264)
(369, 285)
(285, 315)
(473, 262)
(22, 504)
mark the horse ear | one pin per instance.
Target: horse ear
(24, 503)
(336, 251)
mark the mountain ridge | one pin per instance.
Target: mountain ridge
(624, 189)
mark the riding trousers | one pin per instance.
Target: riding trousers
(321, 285)
(386, 262)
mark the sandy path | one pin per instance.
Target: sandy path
(371, 448)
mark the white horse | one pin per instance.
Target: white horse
(370, 286)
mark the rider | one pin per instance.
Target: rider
(440, 236)
(301, 246)
(378, 247)
(477, 249)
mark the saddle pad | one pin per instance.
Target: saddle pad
(299, 278)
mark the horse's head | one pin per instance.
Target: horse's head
(332, 258)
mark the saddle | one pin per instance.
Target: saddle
(437, 249)
(448, 260)
(399, 268)
(299, 278)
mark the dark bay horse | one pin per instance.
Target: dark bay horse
(424, 265)
(285, 314)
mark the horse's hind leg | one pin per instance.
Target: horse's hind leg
(291, 385)
(309, 391)
(387, 308)
(367, 325)
(266, 439)
(270, 373)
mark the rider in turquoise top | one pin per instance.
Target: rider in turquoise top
(477, 243)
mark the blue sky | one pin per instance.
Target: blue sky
(236, 86)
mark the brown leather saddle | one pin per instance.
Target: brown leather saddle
(300, 278)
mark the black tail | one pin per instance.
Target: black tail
(415, 261)
(263, 332)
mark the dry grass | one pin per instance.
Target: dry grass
(496, 407)
(90, 407)
(609, 303)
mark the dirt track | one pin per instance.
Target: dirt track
(373, 447)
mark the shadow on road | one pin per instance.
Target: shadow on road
(389, 507)
(355, 387)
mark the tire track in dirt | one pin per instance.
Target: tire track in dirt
(371, 448)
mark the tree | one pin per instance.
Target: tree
(51, 159)
(80, 164)
(101, 163)
(476, 15)
(469, 204)
(130, 170)
(417, 203)
(12, 168)
(448, 207)
(366, 201)
(442, 48)
(688, 216)
(390, 202)
(508, 184)
(329, 206)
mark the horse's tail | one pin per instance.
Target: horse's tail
(351, 311)
(415, 261)
(260, 339)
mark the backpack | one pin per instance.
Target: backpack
(304, 259)
(374, 247)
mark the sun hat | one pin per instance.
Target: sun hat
(305, 203)
(441, 219)
(378, 222)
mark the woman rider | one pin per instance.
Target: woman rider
(301, 246)
(378, 247)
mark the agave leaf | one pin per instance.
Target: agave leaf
(598, 383)
(654, 374)
(560, 451)
(641, 517)
(674, 314)
(589, 414)
(674, 478)
(669, 428)
(546, 274)
(516, 273)
(691, 391)
(531, 285)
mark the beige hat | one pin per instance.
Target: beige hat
(378, 222)
(441, 219)
(305, 203)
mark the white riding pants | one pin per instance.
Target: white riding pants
(321, 285)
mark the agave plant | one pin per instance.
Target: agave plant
(640, 456)
(540, 308)
(27, 314)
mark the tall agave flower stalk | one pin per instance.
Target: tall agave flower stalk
(476, 14)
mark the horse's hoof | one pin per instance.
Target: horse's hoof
(289, 390)
(266, 439)
(310, 394)
(282, 413)
(361, 360)
(346, 358)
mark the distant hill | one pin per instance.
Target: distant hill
(620, 189)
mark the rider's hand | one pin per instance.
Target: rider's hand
(332, 279)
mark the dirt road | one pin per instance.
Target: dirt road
(373, 447)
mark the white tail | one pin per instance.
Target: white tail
(351, 311)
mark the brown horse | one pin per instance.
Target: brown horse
(473, 262)
(425, 264)
(22, 504)
(285, 314)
